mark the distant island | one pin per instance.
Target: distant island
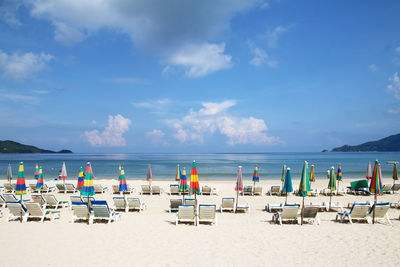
(8, 146)
(390, 143)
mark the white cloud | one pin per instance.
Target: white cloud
(157, 106)
(394, 86)
(214, 117)
(40, 92)
(397, 49)
(260, 57)
(394, 111)
(273, 35)
(373, 67)
(157, 136)
(112, 135)
(19, 66)
(201, 60)
(67, 35)
(19, 98)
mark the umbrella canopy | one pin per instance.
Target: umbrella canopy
(63, 172)
(288, 185)
(183, 186)
(369, 172)
(88, 188)
(339, 173)
(239, 180)
(9, 173)
(178, 173)
(304, 187)
(20, 189)
(81, 180)
(312, 174)
(332, 179)
(256, 178)
(283, 173)
(395, 173)
(36, 173)
(376, 182)
(39, 183)
(194, 181)
(149, 175)
(119, 171)
(122, 182)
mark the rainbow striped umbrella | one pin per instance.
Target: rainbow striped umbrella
(256, 177)
(183, 186)
(123, 187)
(36, 173)
(194, 188)
(239, 184)
(312, 174)
(63, 175)
(149, 176)
(283, 174)
(21, 186)
(39, 183)
(178, 173)
(339, 173)
(304, 187)
(88, 188)
(369, 172)
(395, 173)
(81, 180)
(9, 173)
(331, 184)
(376, 184)
(287, 184)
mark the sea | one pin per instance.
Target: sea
(210, 166)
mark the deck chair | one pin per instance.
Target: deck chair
(227, 204)
(52, 202)
(115, 189)
(33, 189)
(80, 211)
(247, 190)
(290, 212)
(257, 191)
(359, 211)
(327, 192)
(120, 204)
(310, 214)
(350, 204)
(101, 211)
(207, 214)
(61, 188)
(36, 212)
(341, 192)
(99, 189)
(387, 188)
(189, 202)
(39, 199)
(334, 206)
(15, 210)
(321, 207)
(13, 198)
(174, 189)
(47, 189)
(2, 201)
(134, 203)
(395, 188)
(274, 207)
(359, 187)
(70, 188)
(86, 199)
(314, 192)
(381, 210)
(156, 190)
(206, 190)
(185, 214)
(9, 188)
(145, 190)
(275, 190)
(174, 204)
(76, 199)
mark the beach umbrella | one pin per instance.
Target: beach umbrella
(239, 184)
(376, 184)
(283, 174)
(36, 173)
(287, 185)
(304, 187)
(20, 189)
(63, 172)
(149, 176)
(88, 188)
(9, 173)
(183, 186)
(178, 173)
(338, 176)
(331, 184)
(81, 180)
(123, 187)
(312, 174)
(39, 183)
(194, 188)
(369, 172)
(256, 177)
(395, 173)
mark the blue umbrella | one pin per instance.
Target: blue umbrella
(287, 185)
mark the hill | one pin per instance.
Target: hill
(8, 146)
(390, 143)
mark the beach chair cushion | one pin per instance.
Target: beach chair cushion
(185, 214)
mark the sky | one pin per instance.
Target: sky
(178, 76)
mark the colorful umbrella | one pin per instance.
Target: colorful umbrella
(194, 188)
(256, 178)
(376, 184)
(21, 186)
(304, 187)
(312, 174)
(287, 185)
(338, 176)
(395, 173)
(63, 175)
(123, 187)
(183, 186)
(81, 180)
(331, 184)
(88, 188)
(239, 184)
(369, 172)
(149, 176)
(178, 173)
(283, 174)
(9, 173)
(39, 183)
(36, 173)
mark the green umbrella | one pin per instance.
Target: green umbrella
(332, 184)
(304, 188)
(283, 175)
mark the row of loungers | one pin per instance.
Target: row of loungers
(227, 204)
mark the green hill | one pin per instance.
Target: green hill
(390, 143)
(8, 146)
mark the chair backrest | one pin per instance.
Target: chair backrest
(80, 209)
(119, 202)
(275, 188)
(60, 187)
(258, 190)
(190, 202)
(155, 189)
(32, 187)
(380, 209)
(396, 187)
(70, 187)
(38, 199)
(174, 188)
(186, 212)
(207, 211)
(34, 209)
(359, 210)
(9, 187)
(98, 188)
(2, 200)
(16, 209)
(386, 187)
(45, 187)
(10, 198)
(86, 199)
(145, 189)
(115, 189)
(76, 199)
(290, 211)
(134, 202)
(100, 209)
(175, 203)
(206, 189)
(51, 199)
(228, 202)
(359, 184)
(310, 211)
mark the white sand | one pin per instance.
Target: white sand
(151, 238)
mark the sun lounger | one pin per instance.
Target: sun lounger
(257, 191)
(99, 189)
(16, 210)
(189, 202)
(274, 207)
(359, 187)
(327, 192)
(52, 202)
(76, 199)
(35, 211)
(321, 207)
(242, 208)
(86, 199)
(387, 188)
(61, 188)
(207, 214)
(381, 210)
(395, 205)
(206, 190)
(12, 198)
(120, 204)
(359, 211)
(2, 201)
(341, 192)
(350, 204)
(334, 206)
(134, 203)
(275, 190)
(101, 211)
(70, 188)
(289, 213)
(47, 189)
(33, 189)
(38, 199)
(310, 214)
(185, 214)
(116, 190)
(395, 188)
(174, 204)
(228, 204)
(247, 190)
(145, 190)
(174, 189)
(9, 188)
(81, 212)
(156, 190)
(314, 192)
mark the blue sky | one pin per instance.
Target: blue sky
(198, 76)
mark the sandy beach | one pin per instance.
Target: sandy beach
(151, 238)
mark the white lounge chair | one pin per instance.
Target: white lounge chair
(33, 189)
(257, 191)
(288, 213)
(381, 210)
(2, 201)
(70, 188)
(16, 210)
(81, 212)
(13, 198)
(47, 189)
(185, 214)
(146, 190)
(101, 211)
(274, 207)
(174, 204)
(206, 190)
(207, 214)
(275, 190)
(52, 202)
(242, 208)
(395, 188)
(310, 214)
(174, 189)
(247, 190)
(327, 192)
(358, 212)
(156, 190)
(190, 201)
(314, 192)
(39, 199)
(9, 188)
(134, 203)
(35, 211)
(99, 189)
(334, 206)
(227, 204)
(120, 203)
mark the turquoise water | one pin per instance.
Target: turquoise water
(210, 166)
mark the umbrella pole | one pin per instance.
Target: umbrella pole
(237, 199)
(337, 188)
(20, 211)
(286, 198)
(373, 213)
(195, 207)
(254, 187)
(302, 211)
(88, 204)
(330, 201)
